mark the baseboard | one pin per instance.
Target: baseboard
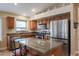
(76, 53)
(3, 48)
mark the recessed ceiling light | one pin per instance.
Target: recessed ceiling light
(33, 10)
(24, 14)
(15, 4)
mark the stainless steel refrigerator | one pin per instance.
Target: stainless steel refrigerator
(59, 29)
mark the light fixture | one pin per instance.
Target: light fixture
(24, 14)
(76, 24)
(33, 10)
(15, 4)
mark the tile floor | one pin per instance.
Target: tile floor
(6, 53)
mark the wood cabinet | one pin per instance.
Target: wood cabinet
(46, 21)
(33, 24)
(10, 22)
(59, 51)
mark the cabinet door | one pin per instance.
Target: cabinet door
(10, 22)
(59, 29)
(46, 22)
(33, 25)
(65, 28)
(53, 28)
(62, 29)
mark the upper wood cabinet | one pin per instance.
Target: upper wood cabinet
(45, 21)
(10, 22)
(33, 24)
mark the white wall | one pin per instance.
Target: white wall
(78, 30)
(74, 31)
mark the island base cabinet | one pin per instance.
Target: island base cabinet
(59, 51)
(54, 52)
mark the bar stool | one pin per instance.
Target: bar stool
(19, 51)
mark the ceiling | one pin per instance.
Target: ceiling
(24, 8)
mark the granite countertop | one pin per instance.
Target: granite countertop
(40, 45)
(20, 33)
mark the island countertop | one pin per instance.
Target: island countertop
(40, 45)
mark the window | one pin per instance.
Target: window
(0, 29)
(21, 25)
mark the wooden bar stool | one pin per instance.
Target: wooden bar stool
(19, 51)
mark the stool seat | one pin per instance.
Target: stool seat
(20, 51)
(17, 52)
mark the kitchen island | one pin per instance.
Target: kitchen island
(41, 47)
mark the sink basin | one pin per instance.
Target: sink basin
(17, 40)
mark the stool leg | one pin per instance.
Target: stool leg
(14, 47)
(25, 50)
(20, 49)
